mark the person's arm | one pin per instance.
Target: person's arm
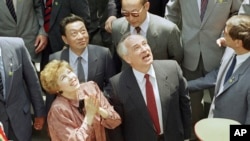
(202, 83)
(110, 118)
(112, 12)
(173, 12)
(35, 92)
(185, 106)
(62, 127)
(41, 39)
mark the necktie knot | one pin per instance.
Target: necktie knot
(138, 29)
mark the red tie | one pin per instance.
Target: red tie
(48, 9)
(152, 104)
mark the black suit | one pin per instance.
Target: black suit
(158, 7)
(129, 103)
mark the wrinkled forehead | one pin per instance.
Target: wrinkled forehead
(134, 40)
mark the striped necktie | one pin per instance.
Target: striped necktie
(11, 8)
(48, 9)
(203, 8)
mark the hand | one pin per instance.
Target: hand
(221, 42)
(103, 112)
(91, 107)
(108, 23)
(41, 43)
(39, 122)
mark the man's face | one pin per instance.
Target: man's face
(139, 53)
(134, 11)
(76, 36)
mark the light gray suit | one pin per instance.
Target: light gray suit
(21, 89)
(233, 102)
(199, 37)
(100, 67)
(245, 7)
(130, 104)
(162, 35)
(29, 23)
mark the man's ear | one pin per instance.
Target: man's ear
(238, 43)
(64, 39)
(126, 59)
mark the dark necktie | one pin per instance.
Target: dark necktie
(1, 86)
(80, 71)
(48, 9)
(230, 69)
(151, 104)
(138, 29)
(203, 8)
(10, 6)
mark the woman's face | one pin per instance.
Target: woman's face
(67, 81)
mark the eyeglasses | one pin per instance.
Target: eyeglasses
(134, 13)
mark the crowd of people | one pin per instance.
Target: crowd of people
(122, 70)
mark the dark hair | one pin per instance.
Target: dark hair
(239, 29)
(67, 20)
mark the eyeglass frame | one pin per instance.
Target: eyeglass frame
(133, 14)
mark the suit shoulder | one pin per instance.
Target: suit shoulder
(118, 22)
(162, 22)
(55, 55)
(13, 42)
(166, 62)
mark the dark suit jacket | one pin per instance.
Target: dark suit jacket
(129, 103)
(163, 38)
(100, 67)
(158, 7)
(21, 89)
(60, 10)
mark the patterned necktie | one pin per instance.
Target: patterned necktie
(10, 6)
(1, 86)
(230, 69)
(151, 104)
(138, 29)
(203, 8)
(80, 71)
(48, 9)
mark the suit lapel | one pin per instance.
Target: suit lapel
(8, 63)
(137, 98)
(55, 10)
(235, 76)
(4, 9)
(92, 62)
(164, 90)
(65, 54)
(210, 7)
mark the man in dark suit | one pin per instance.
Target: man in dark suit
(97, 60)
(163, 36)
(102, 12)
(131, 101)
(59, 10)
(19, 88)
(231, 98)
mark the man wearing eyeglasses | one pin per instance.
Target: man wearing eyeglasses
(163, 36)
